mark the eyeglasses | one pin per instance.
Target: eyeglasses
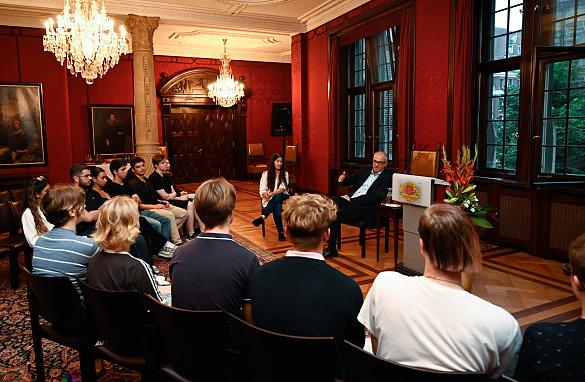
(379, 162)
(567, 270)
(40, 178)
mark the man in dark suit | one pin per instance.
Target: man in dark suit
(369, 184)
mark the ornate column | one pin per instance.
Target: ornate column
(145, 112)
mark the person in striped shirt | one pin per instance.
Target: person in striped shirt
(60, 252)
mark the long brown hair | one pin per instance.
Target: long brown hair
(33, 187)
(272, 172)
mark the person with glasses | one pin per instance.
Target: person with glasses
(34, 222)
(556, 351)
(369, 183)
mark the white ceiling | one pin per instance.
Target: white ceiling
(256, 30)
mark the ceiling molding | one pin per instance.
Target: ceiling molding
(328, 11)
(186, 51)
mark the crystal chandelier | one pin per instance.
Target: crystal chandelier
(226, 91)
(85, 38)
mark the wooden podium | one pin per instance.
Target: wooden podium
(416, 193)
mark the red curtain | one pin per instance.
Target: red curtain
(334, 145)
(462, 75)
(404, 89)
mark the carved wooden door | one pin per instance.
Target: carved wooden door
(200, 143)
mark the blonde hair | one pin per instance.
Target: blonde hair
(306, 217)
(59, 200)
(117, 224)
(450, 239)
(214, 200)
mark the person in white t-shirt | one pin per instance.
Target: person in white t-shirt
(430, 321)
(34, 222)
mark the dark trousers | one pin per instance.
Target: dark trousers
(350, 212)
(274, 207)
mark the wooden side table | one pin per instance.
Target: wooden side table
(394, 214)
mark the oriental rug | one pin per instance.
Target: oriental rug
(16, 346)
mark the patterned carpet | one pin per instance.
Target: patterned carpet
(16, 349)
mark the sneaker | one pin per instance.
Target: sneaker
(162, 254)
(169, 247)
(257, 221)
(281, 237)
(191, 237)
(155, 270)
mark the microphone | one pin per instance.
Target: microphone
(413, 159)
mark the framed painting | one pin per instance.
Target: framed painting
(112, 129)
(23, 141)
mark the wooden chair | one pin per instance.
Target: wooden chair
(361, 366)
(268, 356)
(5, 196)
(255, 152)
(192, 345)
(290, 160)
(12, 240)
(425, 163)
(119, 318)
(56, 300)
(17, 194)
(16, 209)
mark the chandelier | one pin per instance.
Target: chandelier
(85, 39)
(226, 91)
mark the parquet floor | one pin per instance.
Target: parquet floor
(531, 288)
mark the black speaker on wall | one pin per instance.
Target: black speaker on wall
(281, 120)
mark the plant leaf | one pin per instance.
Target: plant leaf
(479, 221)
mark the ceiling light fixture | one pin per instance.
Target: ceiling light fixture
(226, 91)
(85, 38)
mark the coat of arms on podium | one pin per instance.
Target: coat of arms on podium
(409, 191)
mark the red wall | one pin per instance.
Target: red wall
(66, 98)
(310, 85)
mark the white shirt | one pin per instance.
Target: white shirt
(419, 322)
(366, 185)
(28, 226)
(306, 255)
(264, 185)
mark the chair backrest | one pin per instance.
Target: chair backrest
(425, 163)
(290, 155)
(270, 356)
(255, 150)
(55, 299)
(196, 342)
(7, 224)
(361, 365)
(5, 196)
(116, 316)
(16, 210)
(17, 194)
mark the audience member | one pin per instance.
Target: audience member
(430, 321)
(81, 177)
(34, 222)
(165, 187)
(113, 267)
(555, 351)
(150, 201)
(300, 294)
(60, 252)
(212, 271)
(119, 170)
(273, 191)
(369, 183)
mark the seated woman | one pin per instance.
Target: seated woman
(34, 222)
(114, 268)
(273, 191)
(60, 252)
(430, 321)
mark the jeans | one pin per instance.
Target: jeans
(274, 207)
(161, 223)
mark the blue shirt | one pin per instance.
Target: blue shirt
(367, 184)
(60, 252)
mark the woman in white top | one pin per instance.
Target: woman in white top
(274, 191)
(34, 223)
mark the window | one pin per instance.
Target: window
(371, 73)
(531, 87)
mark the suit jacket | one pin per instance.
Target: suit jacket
(378, 187)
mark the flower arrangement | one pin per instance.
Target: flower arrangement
(461, 193)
